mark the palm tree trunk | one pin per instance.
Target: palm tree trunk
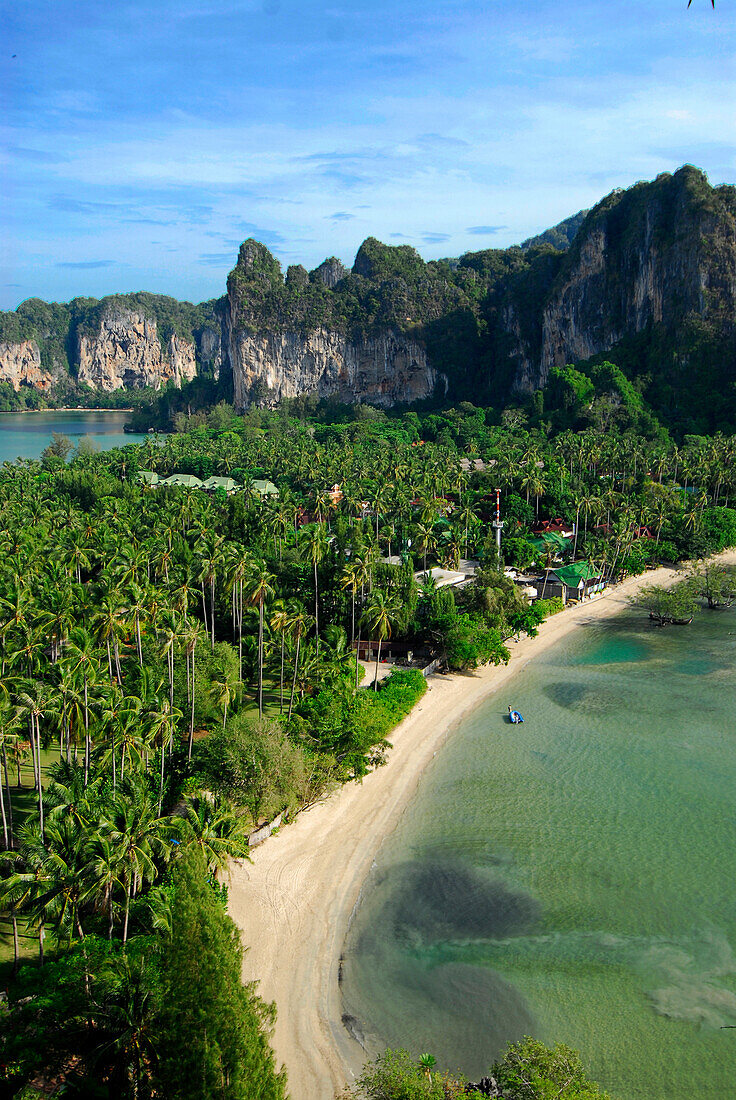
(16, 946)
(6, 838)
(293, 682)
(316, 608)
(378, 658)
(191, 715)
(7, 790)
(260, 658)
(357, 663)
(161, 786)
(40, 786)
(204, 610)
(127, 912)
(87, 745)
(212, 609)
(281, 697)
(240, 631)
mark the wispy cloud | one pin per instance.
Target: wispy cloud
(468, 122)
(485, 230)
(217, 259)
(85, 265)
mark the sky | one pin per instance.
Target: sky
(142, 140)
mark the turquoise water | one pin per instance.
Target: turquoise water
(25, 435)
(573, 878)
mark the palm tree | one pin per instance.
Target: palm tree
(110, 621)
(314, 545)
(259, 588)
(427, 1063)
(83, 660)
(160, 724)
(138, 836)
(192, 634)
(218, 828)
(379, 615)
(32, 704)
(279, 622)
(299, 623)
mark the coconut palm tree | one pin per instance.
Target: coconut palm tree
(313, 546)
(217, 828)
(379, 615)
(258, 588)
(299, 623)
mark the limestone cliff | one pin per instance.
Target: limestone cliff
(654, 261)
(314, 334)
(20, 365)
(126, 351)
(386, 369)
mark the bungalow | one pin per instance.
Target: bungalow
(147, 477)
(443, 578)
(227, 484)
(185, 481)
(264, 488)
(577, 581)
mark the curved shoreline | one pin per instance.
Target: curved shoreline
(293, 904)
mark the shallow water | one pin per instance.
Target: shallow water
(25, 435)
(572, 878)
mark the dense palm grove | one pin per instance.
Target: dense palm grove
(178, 668)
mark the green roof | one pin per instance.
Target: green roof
(571, 575)
(187, 481)
(265, 488)
(226, 483)
(148, 477)
(549, 540)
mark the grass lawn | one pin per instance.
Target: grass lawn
(271, 696)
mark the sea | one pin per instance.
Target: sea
(27, 434)
(572, 878)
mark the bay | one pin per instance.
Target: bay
(572, 878)
(27, 434)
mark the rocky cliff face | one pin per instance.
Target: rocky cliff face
(653, 259)
(310, 334)
(127, 352)
(20, 365)
(386, 369)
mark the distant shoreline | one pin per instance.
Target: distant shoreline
(71, 408)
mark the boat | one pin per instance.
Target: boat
(514, 717)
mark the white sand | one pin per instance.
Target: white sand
(294, 902)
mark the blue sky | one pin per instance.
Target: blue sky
(142, 141)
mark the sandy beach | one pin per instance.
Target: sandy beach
(293, 902)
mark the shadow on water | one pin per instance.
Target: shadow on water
(582, 698)
(464, 1014)
(444, 902)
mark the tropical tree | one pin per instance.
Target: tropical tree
(379, 616)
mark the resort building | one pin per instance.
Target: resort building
(577, 581)
(227, 484)
(264, 488)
